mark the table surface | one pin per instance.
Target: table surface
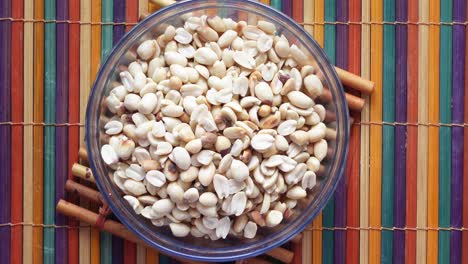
(404, 196)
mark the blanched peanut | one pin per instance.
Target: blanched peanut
(215, 129)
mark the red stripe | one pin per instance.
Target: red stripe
(412, 133)
(352, 170)
(73, 116)
(131, 13)
(17, 132)
(129, 252)
(298, 10)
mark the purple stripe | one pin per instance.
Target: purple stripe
(400, 132)
(61, 133)
(5, 131)
(119, 16)
(340, 193)
(458, 81)
(287, 7)
(117, 250)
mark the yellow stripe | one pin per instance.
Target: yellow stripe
(365, 117)
(85, 85)
(142, 7)
(433, 115)
(28, 131)
(309, 16)
(423, 34)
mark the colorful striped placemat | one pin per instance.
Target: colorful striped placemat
(404, 195)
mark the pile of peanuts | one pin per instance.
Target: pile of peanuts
(215, 129)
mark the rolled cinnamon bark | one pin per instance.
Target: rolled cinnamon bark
(113, 227)
(118, 229)
(355, 103)
(354, 81)
(83, 191)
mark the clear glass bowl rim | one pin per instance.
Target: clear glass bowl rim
(272, 240)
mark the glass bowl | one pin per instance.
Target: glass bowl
(229, 248)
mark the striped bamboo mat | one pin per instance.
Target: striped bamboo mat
(405, 193)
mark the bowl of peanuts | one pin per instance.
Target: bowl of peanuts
(208, 133)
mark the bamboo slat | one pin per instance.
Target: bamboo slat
(49, 132)
(61, 133)
(445, 133)
(423, 35)
(375, 170)
(73, 116)
(107, 15)
(85, 86)
(38, 132)
(17, 9)
(388, 132)
(341, 51)
(317, 223)
(365, 131)
(329, 46)
(5, 131)
(307, 241)
(433, 133)
(464, 258)
(411, 157)
(28, 146)
(458, 77)
(400, 131)
(352, 170)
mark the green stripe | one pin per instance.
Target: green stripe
(276, 4)
(388, 132)
(49, 132)
(107, 30)
(329, 211)
(106, 47)
(445, 136)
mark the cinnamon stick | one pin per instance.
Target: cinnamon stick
(355, 103)
(110, 226)
(354, 81)
(84, 191)
(281, 254)
(253, 261)
(118, 229)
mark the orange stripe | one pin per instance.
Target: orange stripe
(38, 130)
(433, 153)
(152, 256)
(17, 132)
(317, 223)
(412, 133)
